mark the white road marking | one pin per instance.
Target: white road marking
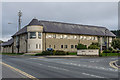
(92, 75)
(58, 68)
(80, 65)
(40, 64)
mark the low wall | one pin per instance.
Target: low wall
(89, 52)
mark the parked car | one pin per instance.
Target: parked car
(49, 49)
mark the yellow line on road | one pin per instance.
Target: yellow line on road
(22, 72)
(111, 64)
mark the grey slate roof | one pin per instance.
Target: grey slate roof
(8, 43)
(60, 27)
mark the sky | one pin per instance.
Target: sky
(87, 13)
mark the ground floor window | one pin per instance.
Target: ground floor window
(61, 46)
(72, 46)
(75, 46)
(65, 46)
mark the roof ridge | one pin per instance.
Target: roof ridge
(71, 24)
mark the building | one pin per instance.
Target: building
(38, 35)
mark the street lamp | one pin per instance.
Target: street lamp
(106, 40)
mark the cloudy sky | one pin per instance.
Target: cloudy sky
(89, 13)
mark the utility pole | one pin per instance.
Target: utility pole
(19, 27)
(19, 20)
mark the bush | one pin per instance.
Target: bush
(47, 53)
(111, 49)
(59, 52)
(107, 51)
(96, 43)
(81, 46)
(93, 47)
(39, 54)
(116, 51)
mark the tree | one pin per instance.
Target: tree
(94, 46)
(81, 46)
(116, 44)
(116, 32)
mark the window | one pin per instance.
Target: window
(32, 35)
(72, 46)
(61, 36)
(85, 37)
(65, 36)
(39, 46)
(81, 37)
(39, 35)
(65, 46)
(29, 46)
(54, 35)
(36, 46)
(61, 46)
(75, 37)
(75, 46)
(49, 36)
(71, 36)
(54, 46)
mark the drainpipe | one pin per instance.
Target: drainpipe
(101, 44)
(45, 41)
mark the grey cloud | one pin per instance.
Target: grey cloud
(93, 13)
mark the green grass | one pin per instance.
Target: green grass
(110, 54)
(12, 53)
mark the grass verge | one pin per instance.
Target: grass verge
(110, 54)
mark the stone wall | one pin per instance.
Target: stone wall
(56, 43)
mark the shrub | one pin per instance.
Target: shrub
(111, 49)
(72, 53)
(107, 51)
(116, 51)
(39, 54)
(93, 47)
(60, 52)
(47, 53)
(81, 46)
(96, 43)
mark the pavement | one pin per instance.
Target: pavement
(39, 68)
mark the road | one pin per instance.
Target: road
(54, 68)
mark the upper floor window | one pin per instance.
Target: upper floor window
(81, 37)
(32, 35)
(65, 36)
(54, 35)
(75, 37)
(61, 36)
(39, 35)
